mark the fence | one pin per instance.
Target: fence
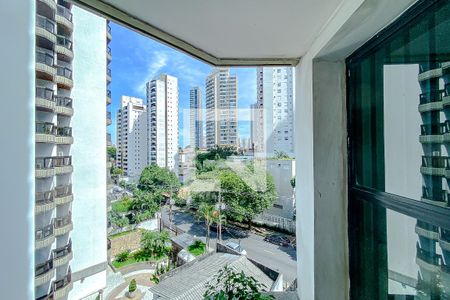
(276, 221)
(172, 227)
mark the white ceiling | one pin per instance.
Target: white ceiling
(237, 28)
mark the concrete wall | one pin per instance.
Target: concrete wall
(89, 153)
(17, 148)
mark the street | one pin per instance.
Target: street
(281, 259)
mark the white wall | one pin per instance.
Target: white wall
(89, 149)
(17, 148)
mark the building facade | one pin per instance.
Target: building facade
(69, 164)
(273, 113)
(221, 109)
(132, 136)
(196, 117)
(162, 120)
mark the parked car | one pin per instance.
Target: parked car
(236, 247)
(277, 239)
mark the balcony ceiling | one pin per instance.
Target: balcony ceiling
(263, 29)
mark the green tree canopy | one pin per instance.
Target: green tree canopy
(216, 153)
(156, 243)
(111, 151)
(159, 181)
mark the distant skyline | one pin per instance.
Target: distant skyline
(137, 59)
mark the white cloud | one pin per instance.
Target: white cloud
(158, 62)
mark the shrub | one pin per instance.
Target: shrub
(123, 256)
(132, 287)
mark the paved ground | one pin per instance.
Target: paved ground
(282, 259)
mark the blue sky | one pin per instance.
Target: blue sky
(137, 59)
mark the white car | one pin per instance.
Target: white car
(236, 247)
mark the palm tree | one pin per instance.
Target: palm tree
(155, 242)
(218, 218)
(206, 212)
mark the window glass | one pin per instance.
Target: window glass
(400, 111)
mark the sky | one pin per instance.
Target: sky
(137, 59)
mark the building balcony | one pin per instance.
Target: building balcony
(434, 165)
(429, 72)
(44, 167)
(108, 97)
(63, 194)
(62, 164)
(64, 135)
(108, 118)
(45, 65)
(426, 230)
(108, 33)
(45, 28)
(63, 105)
(63, 255)
(63, 225)
(62, 287)
(50, 4)
(108, 54)
(444, 240)
(44, 237)
(64, 18)
(108, 75)
(45, 132)
(428, 260)
(64, 48)
(435, 197)
(44, 201)
(44, 99)
(63, 77)
(46, 297)
(431, 101)
(44, 272)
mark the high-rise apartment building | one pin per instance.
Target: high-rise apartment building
(196, 117)
(132, 136)
(162, 120)
(221, 108)
(273, 113)
(70, 160)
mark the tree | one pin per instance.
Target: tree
(155, 243)
(246, 199)
(117, 219)
(111, 151)
(123, 256)
(145, 202)
(228, 284)
(216, 153)
(157, 180)
(132, 287)
(116, 171)
(206, 212)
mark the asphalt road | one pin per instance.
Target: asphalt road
(281, 259)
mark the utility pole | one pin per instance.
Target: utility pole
(220, 216)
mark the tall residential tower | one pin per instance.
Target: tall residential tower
(221, 108)
(196, 118)
(162, 120)
(131, 136)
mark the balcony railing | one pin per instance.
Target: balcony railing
(64, 41)
(45, 128)
(432, 96)
(108, 93)
(49, 296)
(44, 163)
(427, 226)
(63, 191)
(61, 222)
(433, 129)
(44, 232)
(62, 161)
(428, 257)
(45, 23)
(43, 268)
(66, 280)
(64, 101)
(44, 197)
(108, 50)
(64, 131)
(65, 12)
(44, 93)
(435, 161)
(108, 28)
(108, 72)
(108, 115)
(435, 195)
(44, 58)
(63, 251)
(64, 71)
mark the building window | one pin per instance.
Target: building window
(398, 84)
